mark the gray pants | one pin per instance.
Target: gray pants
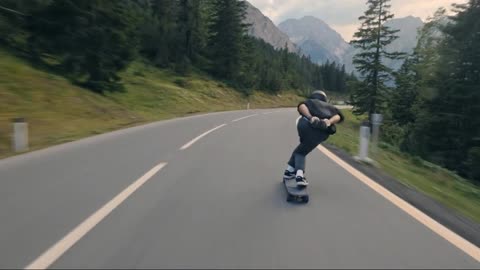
(310, 138)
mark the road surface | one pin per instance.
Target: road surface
(203, 192)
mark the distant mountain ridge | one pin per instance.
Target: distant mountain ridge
(313, 37)
(322, 43)
(316, 39)
(407, 37)
(263, 28)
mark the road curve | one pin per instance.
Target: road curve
(202, 192)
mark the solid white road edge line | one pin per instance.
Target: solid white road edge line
(430, 223)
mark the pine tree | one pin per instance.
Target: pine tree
(448, 127)
(318, 78)
(408, 102)
(228, 35)
(372, 38)
(426, 56)
(159, 36)
(13, 21)
(95, 38)
(190, 35)
(405, 94)
(341, 80)
(332, 77)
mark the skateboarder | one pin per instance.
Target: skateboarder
(317, 122)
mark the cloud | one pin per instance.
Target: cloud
(343, 15)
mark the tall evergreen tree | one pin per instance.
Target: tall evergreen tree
(94, 38)
(228, 38)
(190, 33)
(341, 80)
(413, 86)
(318, 78)
(404, 97)
(448, 130)
(14, 21)
(159, 32)
(332, 72)
(372, 38)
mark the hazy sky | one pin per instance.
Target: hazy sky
(343, 15)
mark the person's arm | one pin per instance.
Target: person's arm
(304, 111)
(335, 119)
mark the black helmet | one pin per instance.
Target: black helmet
(320, 95)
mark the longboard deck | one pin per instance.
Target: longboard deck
(294, 194)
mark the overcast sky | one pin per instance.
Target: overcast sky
(343, 15)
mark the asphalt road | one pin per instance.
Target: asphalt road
(150, 197)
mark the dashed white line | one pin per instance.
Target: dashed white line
(243, 118)
(190, 143)
(62, 246)
(267, 113)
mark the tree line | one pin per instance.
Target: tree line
(91, 41)
(433, 109)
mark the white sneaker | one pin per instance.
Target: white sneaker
(301, 182)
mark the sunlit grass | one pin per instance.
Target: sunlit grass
(58, 111)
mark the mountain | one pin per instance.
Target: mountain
(263, 28)
(322, 43)
(316, 39)
(407, 37)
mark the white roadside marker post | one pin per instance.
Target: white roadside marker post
(20, 135)
(364, 142)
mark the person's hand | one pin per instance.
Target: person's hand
(327, 122)
(314, 120)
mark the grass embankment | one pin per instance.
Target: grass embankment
(434, 181)
(58, 111)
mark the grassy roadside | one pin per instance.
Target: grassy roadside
(59, 112)
(434, 181)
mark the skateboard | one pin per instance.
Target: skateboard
(295, 194)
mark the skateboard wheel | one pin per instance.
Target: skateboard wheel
(289, 198)
(305, 199)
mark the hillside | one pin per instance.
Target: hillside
(58, 111)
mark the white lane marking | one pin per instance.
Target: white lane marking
(430, 223)
(243, 118)
(190, 143)
(267, 113)
(58, 249)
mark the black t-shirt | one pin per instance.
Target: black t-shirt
(321, 109)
